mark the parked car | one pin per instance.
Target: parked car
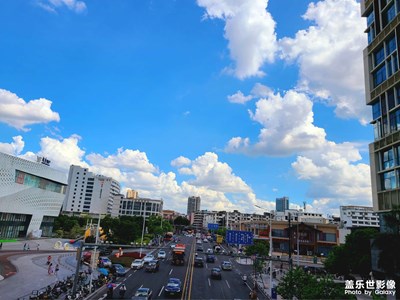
(162, 254)
(153, 266)
(199, 262)
(148, 258)
(226, 265)
(173, 287)
(104, 262)
(118, 269)
(143, 294)
(216, 273)
(210, 258)
(137, 264)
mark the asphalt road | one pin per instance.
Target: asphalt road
(196, 282)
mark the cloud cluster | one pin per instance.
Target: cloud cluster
(210, 178)
(13, 148)
(52, 5)
(333, 171)
(250, 31)
(329, 55)
(287, 127)
(239, 98)
(17, 113)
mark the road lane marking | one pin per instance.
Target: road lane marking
(129, 275)
(227, 283)
(159, 294)
(170, 272)
(209, 282)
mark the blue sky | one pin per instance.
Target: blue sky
(239, 102)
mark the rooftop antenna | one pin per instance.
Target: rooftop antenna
(304, 205)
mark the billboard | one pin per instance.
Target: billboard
(212, 226)
(239, 237)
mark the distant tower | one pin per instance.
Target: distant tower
(193, 205)
(282, 204)
(131, 194)
(304, 205)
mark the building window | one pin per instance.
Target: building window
(388, 159)
(379, 76)
(370, 18)
(391, 46)
(389, 180)
(379, 56)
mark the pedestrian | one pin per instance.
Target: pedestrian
(56, 269)
(37, 247)
(24, 246)
(1, 245)
(122, 291)
(27, 248)
(110, 290)
(50, 269)
(48, 259)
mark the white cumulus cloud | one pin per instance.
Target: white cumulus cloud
(287, 127)
(239, 98)
(250, 31)
(329, 55)
(13, 148)
(17, 113)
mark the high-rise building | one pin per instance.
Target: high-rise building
(132, 194)
(382, 85)
(282, 204)
(89, 193)
(193, 205)
(31, 196)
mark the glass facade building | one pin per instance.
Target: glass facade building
(382, 81)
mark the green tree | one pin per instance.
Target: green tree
(260, 248)
(299, 284)
(337, 261)
(358, 248)
(180, 220)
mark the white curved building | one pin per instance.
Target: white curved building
(31, 196)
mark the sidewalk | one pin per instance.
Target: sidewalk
(32, 268)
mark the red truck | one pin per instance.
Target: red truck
(178, 254)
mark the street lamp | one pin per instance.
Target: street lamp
(144, 223)
(270, 251)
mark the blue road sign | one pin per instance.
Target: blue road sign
(212, 226)
(239, 237)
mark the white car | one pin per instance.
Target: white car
(148, 258)
(205, 241)
(161, 254)
(209, 251)
(137, 264)
(173, 246)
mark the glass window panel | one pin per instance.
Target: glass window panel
(379, 56)
(390, 46)
(380, 75)
(391, 13)
(391, 101)
(376, 110)
(370, 18)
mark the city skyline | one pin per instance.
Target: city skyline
(238, 103)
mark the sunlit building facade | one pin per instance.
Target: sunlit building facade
(31, 196)
(382, 82)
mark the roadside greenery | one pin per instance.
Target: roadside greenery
(354, 256)
(297, 283)
(121, 230)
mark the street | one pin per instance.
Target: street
(196, 281)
